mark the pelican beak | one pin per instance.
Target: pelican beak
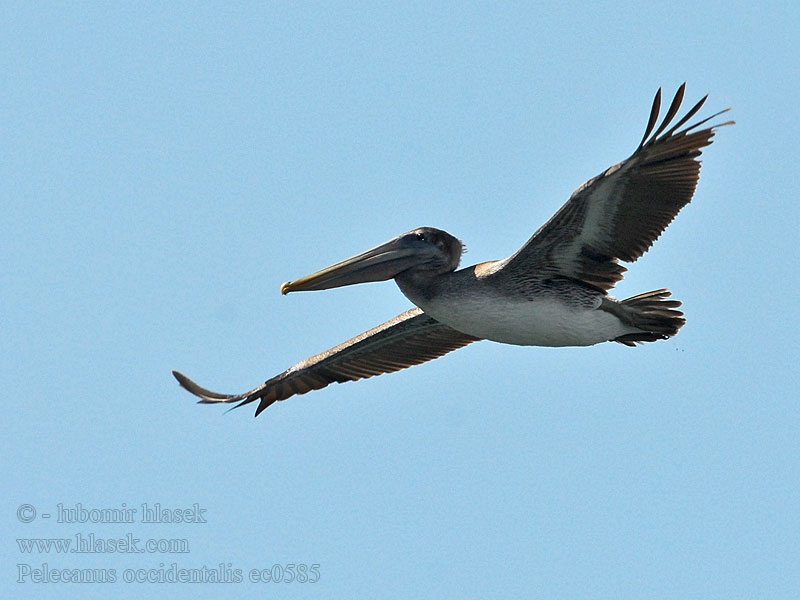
(378, 264)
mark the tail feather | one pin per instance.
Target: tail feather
(653, 313)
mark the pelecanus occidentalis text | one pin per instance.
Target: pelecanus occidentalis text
(552, 292)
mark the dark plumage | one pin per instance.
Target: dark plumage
(551, 292)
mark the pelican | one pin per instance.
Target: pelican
(552, 292)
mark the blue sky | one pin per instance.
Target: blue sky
(165, 168)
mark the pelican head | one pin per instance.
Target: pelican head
(425, 252)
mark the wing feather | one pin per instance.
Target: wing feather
(409, 339)
(617, 215)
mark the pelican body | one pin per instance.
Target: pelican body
(552, 292)
(481, 300)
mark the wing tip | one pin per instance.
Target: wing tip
(209, 397)
(183, 380)
(653, 134)
(206, 396)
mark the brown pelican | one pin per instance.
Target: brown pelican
(552, 292)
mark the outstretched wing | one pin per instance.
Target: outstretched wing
(620, 213)
(407, 340)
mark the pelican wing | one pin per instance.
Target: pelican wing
(407, 340)
(621, 212)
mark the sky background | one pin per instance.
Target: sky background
(165, 167)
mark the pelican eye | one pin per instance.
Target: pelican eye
(421, 236)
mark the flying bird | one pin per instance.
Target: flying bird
(552, 292)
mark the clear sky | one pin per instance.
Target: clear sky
(164, 167)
